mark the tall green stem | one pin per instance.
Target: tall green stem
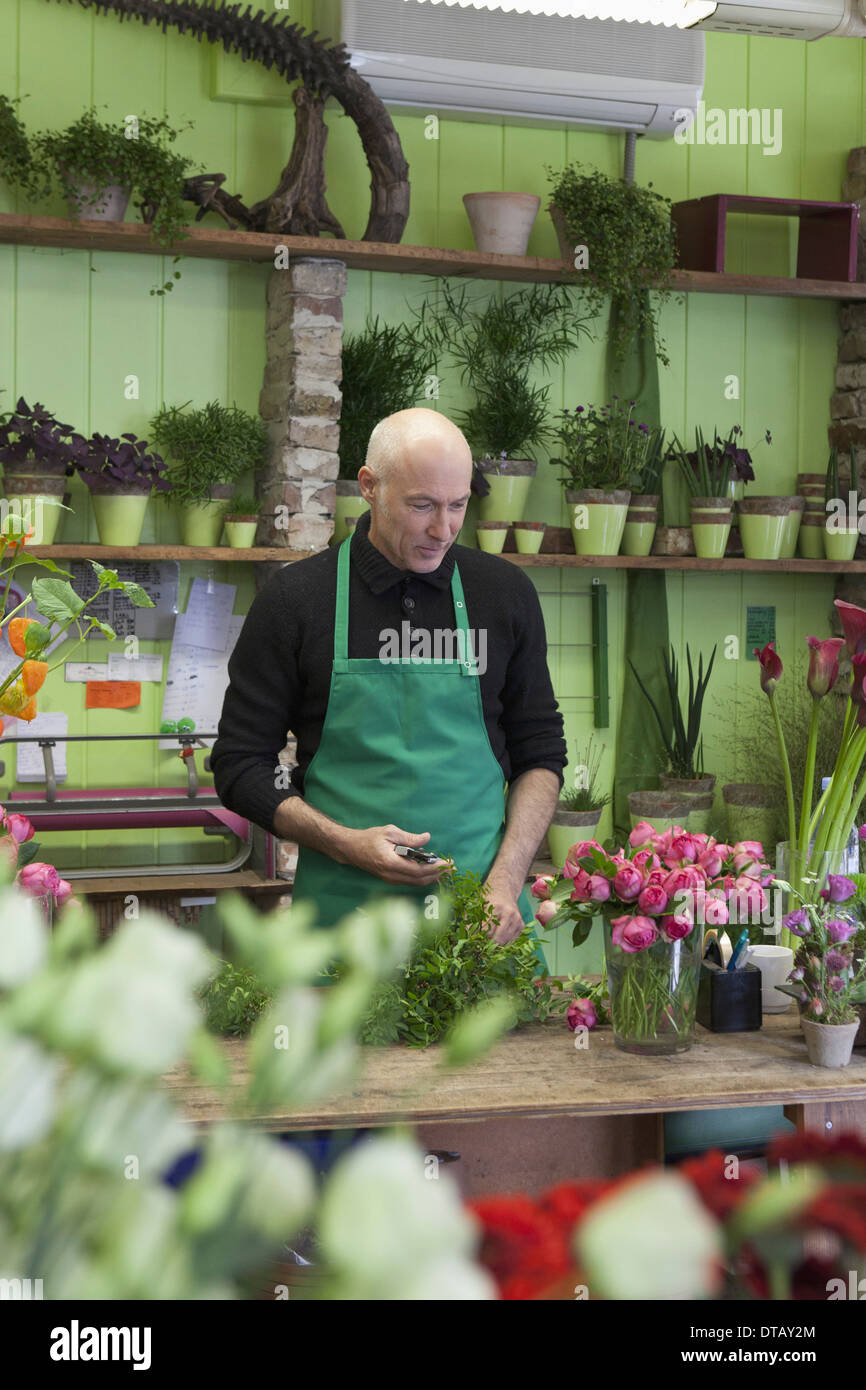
(838, 805)
(808, 779)
(786, 767)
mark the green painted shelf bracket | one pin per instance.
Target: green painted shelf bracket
(600, 686)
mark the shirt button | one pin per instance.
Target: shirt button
(408, 603)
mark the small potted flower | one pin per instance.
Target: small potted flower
(599, 469)
(241, 521)
(120, 475)
(841, 529)
(828, 980)
(37, 457)
(579, 808)
(713, 474)
(209, 449)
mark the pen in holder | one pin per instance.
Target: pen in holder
(729, 1001)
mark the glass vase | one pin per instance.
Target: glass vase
(807, 875)
(653, 993)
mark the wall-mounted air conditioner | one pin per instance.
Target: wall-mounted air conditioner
(527, 69)
(789, 19)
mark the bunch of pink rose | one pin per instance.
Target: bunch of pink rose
(34, 877)
(664, 882)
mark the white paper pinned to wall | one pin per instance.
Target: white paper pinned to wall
(206, 620)
(30, 764)
(196, 682)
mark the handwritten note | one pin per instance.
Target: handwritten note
(144, 667)
(30, 765)
(206, 620)
(196, 683)
(113, 694)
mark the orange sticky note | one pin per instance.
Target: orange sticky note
(113, 694)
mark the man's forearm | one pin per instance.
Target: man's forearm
(531, 803)
(295, 819)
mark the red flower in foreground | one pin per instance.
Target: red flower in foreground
(841, 1209)
(567, 1202)
(523, 1248)
(843, 1156)
(719, 1193)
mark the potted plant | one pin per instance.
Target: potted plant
(37, 457)
(647, 445)
(501, 222)
(17, 165)
(579, 808)
(384, 370)
(529, 536)
(623, 236)
(827, 981)
(490, 536)
(601, 453)
(842, 514)
(685, 778)
(652, 894)
(497, 344)
(712, 474)
(241, 520)
(120, 475)
(209, 449)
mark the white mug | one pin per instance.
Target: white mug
(775, 964)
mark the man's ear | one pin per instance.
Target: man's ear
(367, 479)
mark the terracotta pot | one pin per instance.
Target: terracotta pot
(566, 829)
(510, 481)
(34, 484)
(597, 519)
(829, 1044)
(110, 205)
(673, 540)
(501, 222)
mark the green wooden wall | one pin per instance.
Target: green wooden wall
(73, 326)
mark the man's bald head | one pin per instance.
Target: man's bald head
(417, 480)
(413, 433)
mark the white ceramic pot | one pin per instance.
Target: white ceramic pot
(501, 222)
(775, 964)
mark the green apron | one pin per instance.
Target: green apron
(404, 743)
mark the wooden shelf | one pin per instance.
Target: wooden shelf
(185, 885)
(101, 553)
(218, 243)
(733, 565)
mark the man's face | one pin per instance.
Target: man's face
(416, 516)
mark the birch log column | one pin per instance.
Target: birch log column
(300, 403)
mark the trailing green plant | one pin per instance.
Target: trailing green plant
(586, 793)
(212, 444)
(233, 999)
(681, 732)
(456, 965)
(384, 370)
(709, 469)
(17, 165)
(631, 248)
(608, 448)
(243, 504)
(496, 344)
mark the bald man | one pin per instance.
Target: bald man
(413, 673)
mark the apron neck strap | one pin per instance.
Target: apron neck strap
(341, 617)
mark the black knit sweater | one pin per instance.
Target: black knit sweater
(280, 670)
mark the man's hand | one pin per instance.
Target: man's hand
(373, 851)
(504, 904)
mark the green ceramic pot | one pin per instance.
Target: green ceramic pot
(792, 527)
(119, 517)
(839, 545)
(597, 519)
(762, 526)
(349, 502)
(566, 829)
(37, 510)
(660, 809)
(751, 812)
(202, 522)
(241, 534)
(641, 520)
(529, 536)
(810, 540)
(491, 537)
(510, 481)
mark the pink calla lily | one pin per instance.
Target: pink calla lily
(771, 667)
(853, 620)
(823, 664)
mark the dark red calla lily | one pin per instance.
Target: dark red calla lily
(853, 620)
(771, 667)
(858, 691)
(823, 664)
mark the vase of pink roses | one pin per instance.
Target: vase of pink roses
(656, 896)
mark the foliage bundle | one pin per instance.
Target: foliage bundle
(496, 344)
(211, 445)
(455, 967)
(682, 734)
(384, 367)
(631, 248)
(586, 794)
(609, 449)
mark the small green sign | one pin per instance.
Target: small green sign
(760, 629)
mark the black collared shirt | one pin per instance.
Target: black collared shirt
(280, 669)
